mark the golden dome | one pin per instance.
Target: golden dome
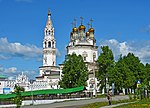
(75, 29)
(91, 30)
(81, 27)
(87, 33)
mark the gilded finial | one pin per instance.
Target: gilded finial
(49, 14)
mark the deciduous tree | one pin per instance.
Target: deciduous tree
(74, 72)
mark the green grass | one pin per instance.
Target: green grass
(100, 104)
(139, 104)
(101, 96)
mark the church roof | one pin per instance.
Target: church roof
(43, 92)
(3, 77)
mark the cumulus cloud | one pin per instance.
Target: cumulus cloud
(8, 70)
(2, 57)
(12, 72)
(140, 49)
(8, 50)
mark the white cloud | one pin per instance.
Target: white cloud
(12, 72)
(8, 50)
(140, 49)
(8, 70)
(2, 57)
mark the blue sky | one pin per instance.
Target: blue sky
(124, 25)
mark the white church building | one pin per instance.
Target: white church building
(49, 71)
(82, 42)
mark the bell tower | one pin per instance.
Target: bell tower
(49, 44)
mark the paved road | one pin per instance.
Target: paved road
(75, 104)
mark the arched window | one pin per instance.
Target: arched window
(45, 44)
(53, 44)
(73, 43)
(49, 32)
(84, 55)
(46, 32)
(94, 56)
(49, 44)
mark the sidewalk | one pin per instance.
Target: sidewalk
(111, 106)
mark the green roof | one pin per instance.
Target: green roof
(42, 92)
(2, 76)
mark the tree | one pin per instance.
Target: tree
(74, 72)
(105, 63)
(135, 66)
(18, 99)
(121, 75)
(127, 70)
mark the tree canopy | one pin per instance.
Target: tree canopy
(74, 72)
(105, 62)
(124, 73)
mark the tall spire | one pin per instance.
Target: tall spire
(49, 22)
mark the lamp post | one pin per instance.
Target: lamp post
(31, 84)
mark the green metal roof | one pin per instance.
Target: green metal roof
(42, 92)
(2, 76)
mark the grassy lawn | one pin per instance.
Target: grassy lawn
(100, 104)
(138, 104)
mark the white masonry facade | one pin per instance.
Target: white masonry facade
(83, 43)
(49, 72)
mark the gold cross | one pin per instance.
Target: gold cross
(91, 20)
(88, 25)
(81, 20)
(72, 24)
(75, 22)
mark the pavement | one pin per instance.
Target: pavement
(71, 104)
(76, 104)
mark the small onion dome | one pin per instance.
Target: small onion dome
(75, 29)
(81, 27)
(87, 33)
(91, 30)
